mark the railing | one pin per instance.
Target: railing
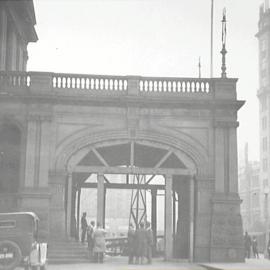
(175, 85)
(95, 85)
(15, 79)
(89, 82)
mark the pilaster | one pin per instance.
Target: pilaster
(45, 137)
(3, 38)
(168, 218)
(226, 229)
(30, 163)
(57, 204)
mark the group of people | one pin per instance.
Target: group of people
(95, 237)
(140, 243)
(251, 243)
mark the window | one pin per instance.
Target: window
(265, 165)
(263, 54)
(255, 200)
(265, 183)
(263, 45)
(264, 73)
(264, 123)
(264, 64)
(263, 104)
(264, 144)
(255, 181)
(264, 82)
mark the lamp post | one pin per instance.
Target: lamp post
(266, 192)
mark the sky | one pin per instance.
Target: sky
(152, 38)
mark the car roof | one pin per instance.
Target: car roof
(32, 214)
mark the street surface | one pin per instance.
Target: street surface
(119, 263)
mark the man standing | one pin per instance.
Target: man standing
(83, 227)
(247, 241)
(149, 242)
(90, 239)
(131, 244)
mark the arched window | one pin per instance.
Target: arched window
(10, 152)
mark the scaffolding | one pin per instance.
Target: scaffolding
(138, 212)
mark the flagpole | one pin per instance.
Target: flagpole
(212, 30)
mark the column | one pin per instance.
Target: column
(191, 218)
(20, 55)
(78, 213)
(219, 160)
(100, 199)
(233, 167)
(3, 38)
(168, 218)
(69, 202)
(11, 49)
(73, 212)
(30, 163)
(104, 207)
(154, 217)
(44, 141)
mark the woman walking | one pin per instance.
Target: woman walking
(99, 243)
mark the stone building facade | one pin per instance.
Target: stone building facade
(58, 128)
(17, 20)
(263, 94)
(251, 195)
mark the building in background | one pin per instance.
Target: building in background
(250, 194)
(263, 94)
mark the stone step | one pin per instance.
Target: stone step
(67, 261)
(67, 252)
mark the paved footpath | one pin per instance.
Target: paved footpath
(250, 264)
(121, 264)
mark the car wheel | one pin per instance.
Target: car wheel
(12, 253)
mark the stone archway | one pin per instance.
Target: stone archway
(165, 163)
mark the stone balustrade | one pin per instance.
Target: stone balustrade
(78, 84)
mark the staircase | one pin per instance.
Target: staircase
(67, 252)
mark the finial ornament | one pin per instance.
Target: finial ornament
(224, 51)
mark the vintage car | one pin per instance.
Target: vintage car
(19, 245)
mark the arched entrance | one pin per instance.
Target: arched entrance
(142, 157)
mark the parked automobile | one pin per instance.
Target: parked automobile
(19, 245)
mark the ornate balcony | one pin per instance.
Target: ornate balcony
(79, 85)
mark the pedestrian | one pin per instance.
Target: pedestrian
(131, 244)
(150, 242)
(247, 240)
(141, 244)
(268, 248)
(99, 243)
(255, 247)
(90, 239)
(84, 226)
